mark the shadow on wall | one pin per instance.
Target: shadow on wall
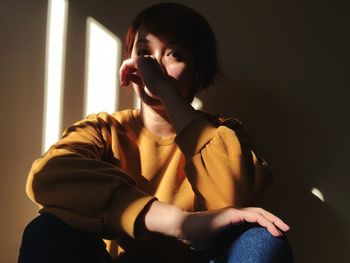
(284, 136)
(317, 233)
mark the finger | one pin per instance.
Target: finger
(254, 217)
(274, 230)
(275, 219)
(136, 79)
(149, 64)
(128, 67)
(149, 56)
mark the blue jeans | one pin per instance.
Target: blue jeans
(253, 243)
(48, 239)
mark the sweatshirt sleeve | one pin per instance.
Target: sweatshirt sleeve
(221, 165)
(79, 180)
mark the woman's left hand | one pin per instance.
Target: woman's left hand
(197, 228)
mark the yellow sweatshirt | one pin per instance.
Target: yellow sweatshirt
(105, 169)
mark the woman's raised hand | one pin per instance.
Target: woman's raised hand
(128, 73)
(143, 71)
(152, 80)
(197, 228)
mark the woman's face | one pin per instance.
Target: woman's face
(173, 58)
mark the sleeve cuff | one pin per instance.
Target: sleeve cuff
(195, 136)
(125, 208)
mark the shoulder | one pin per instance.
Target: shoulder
(233, 124)
(123, 116)
(223, 120)
(118, 122)
(117, 119)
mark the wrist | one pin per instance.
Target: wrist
(140, 227)
(166, 91)
(165, 219)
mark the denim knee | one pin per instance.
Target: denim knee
(258, 245)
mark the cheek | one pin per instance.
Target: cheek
(184, 76)
(179, 71)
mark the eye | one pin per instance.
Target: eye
(143, 52)
(175, 55)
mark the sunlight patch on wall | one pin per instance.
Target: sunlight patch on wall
(316, 192)
(54, 70)
(101, 69)
(197, 103)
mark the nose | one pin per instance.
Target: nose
(159, 57)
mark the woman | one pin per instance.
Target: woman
(163, 183)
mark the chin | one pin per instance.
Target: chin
(152, 101)
(149, 94)
(148, 98)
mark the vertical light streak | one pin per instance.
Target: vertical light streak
(101, 70)
(54, 72)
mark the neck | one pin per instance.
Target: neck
(156, 121)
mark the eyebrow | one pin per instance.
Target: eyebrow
(142, 40)
(146, 41)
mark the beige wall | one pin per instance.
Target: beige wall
(285, 79)
(22, 51)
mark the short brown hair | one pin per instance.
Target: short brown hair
(189, 28)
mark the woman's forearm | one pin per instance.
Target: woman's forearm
(179, 110)
(162, 218)
(197, 228)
